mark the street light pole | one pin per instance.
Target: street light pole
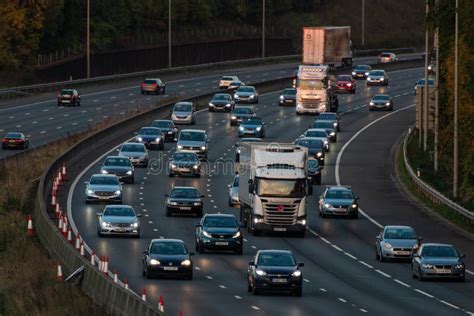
(456, 84)
(88, 40)
(426, 92)
(436, 118)
(363, 23)
(263, 28)
(169, 33)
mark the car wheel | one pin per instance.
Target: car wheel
(255, 291)
(299, 292)
(420, 276)
(377, 257)
(99, 234)
(147, 275)
(249, 286)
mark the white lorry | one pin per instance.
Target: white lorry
(273, 187)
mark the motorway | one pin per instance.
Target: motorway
(341, 274)
(43, 121)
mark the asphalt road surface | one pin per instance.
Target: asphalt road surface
(341, 274)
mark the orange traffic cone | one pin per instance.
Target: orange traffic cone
(58, 210)
(78, 242)
(60, 178)
(106, 265)
(30, 225)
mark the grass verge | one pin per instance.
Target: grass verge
(439, 209)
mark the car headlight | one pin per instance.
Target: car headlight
(427, 266)
(172, 203)
(319, 154)
(238, 151)
(157, 139)
(186, 262)
(281, 97)
(353, 73)
(260, 272)
(139, 139)
(118, 192)
(233, 117)
(332, 134)
(103, 171)
(236, 235)
(326, 142)
(415, 246)
(227, 105)
(258, 128)
(203, 147)
(371, 103)
(387, 245)
(129, 172)
(135, 224)
(354, 205)
(459, 266)
(206, 234)
(197, 203)
(328, 206)
(105, 224)
(241, 128)
(90, 192)
(252, 96)
(195, 167)
(173, 166)
(180, 147)
(210, 104)
(382, 78)
(296, 273)
(334, 124)
(154, 262)
(387, 104)
(366, 73)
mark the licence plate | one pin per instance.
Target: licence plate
(360, 75)
(170, 268)
(443, 271)
(279, 280)
(185, 208)
(279, 229)
(11, 141)
(403, 253)
(222, 243)
(103, 197)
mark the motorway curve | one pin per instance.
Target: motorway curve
(341, 274)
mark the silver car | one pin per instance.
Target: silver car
(377, 77)
(104, 188)
(396, 242)
(136, 152)
(193, 140)
(118, 220)
(234, 192)
(246, 94)
(183, 113)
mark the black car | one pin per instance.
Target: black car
(241, 113)
(221, 102)
(184, 200)
(275, 270)
(331, 116)
(168, 129)
(184, 163)
(361, 72)
(219, 232)
(316, 147)
(152, 137)
(339, 201)
(314, 171)
(119, 166)
(15, 140)
(167, 257)
(288, 97)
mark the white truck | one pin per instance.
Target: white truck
(273, 187)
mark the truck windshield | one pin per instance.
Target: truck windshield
(311, 84)
(281, 188)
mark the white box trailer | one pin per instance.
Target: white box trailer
(329, 45)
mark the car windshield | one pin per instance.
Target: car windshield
(344, 78)
(67, 92)
(289, 91)
(311, 143)
(150, 81)
(400, 233)
(163, 124)
(192, 136)
(381, 97)
(323, 124)
(119, 211)
(246, 89)
(133, 148)
(281, 188)
(327, 116)
(220, 221)
(117, 162)
(104, 180)
(377, 73)
(276, 259)
(184, 193)
(362, 67)
(339, 194)
(243, 111)
(439, 251)
(254, 121)
(224, 97)
(310, 84)
(191, 157)
(183, 107)
(320, 133)
(149, 131)
(227, 78)
(168, 248)
(13, 135)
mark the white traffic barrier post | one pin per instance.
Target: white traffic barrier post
(161, 304)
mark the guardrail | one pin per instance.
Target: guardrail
(427, 190)
(103, 290)
(27, 90)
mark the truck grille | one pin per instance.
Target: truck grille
(280, 214)
(310, 103)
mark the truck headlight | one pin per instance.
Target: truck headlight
(154, 262)
(301, 222)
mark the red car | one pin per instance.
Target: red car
(345, 83)
(69, 96)
(15, 140)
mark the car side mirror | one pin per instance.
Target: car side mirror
(167, 195)
(310, 190)
(138, 215)
(197, 224)
(145, 252)
(86, 182)
(98, 214)
(301, 264)
(252, 263)
(415, 255)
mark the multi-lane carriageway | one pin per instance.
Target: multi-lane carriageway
(341, 275)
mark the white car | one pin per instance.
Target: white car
(387, 57)
(226, 80)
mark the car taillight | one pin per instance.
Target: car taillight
(4, 140)
(18, 140)
(154, 85)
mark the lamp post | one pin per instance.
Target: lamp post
(426, 92)
(88, 39)
(456, 84)
(363, 24)
(169, 33)
(263, 28)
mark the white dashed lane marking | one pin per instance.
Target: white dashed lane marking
(402, 283)
(255, 307)
(341, 300)
(424, 293)
(238, 297)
